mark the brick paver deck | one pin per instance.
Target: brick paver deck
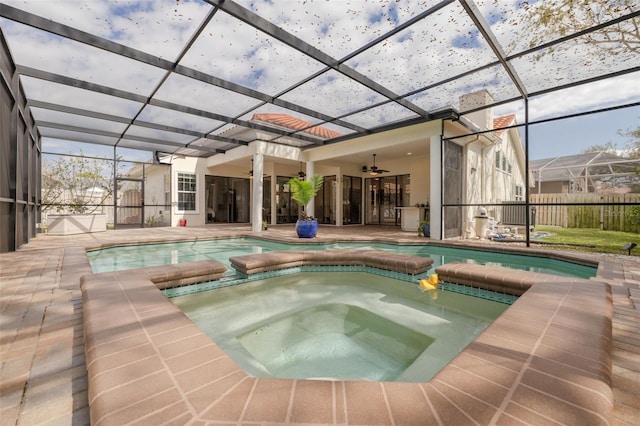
(43, 377)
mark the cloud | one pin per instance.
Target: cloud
(186, 91)
(164, 116)
(235, 51)
(157, 27)
(434, 49)
(583, 98)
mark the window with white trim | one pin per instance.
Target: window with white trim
(519, 192)
(186, 191)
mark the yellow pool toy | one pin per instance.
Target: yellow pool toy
(430, 283)
(430, 286)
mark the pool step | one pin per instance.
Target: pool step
(504, 280)
(264, 262)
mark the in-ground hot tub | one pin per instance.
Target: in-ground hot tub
(339, 325)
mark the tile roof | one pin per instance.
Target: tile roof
(297, 124)
(503, 121)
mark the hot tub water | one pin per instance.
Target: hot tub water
(339, 325)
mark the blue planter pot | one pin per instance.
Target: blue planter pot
(426, 230)
(307, 228)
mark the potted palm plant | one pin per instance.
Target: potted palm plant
(424, 228)
(302, 192)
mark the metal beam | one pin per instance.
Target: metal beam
(173, 65)
(116, 135)
(215, 81)
(229, 120)
(76, 111)
(482, 26)
(289, 39)
(68, 81)
(75, 34)
(80, 84)
(586, 31)
(587, 80)
(118, 119)
(78, 129)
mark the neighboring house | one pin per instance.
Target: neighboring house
(497, 170)
(594, 172)
(145, 202)
(249, 183)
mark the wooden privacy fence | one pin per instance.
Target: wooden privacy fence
(607, 215)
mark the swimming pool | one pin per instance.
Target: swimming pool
(339, 325)
(481, 383)
(130, 257)
(258, 323)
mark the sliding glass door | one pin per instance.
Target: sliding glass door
(384, 194)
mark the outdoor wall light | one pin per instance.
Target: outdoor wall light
(629, 247)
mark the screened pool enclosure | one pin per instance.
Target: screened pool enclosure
(147, 90)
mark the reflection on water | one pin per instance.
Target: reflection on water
(121, 258)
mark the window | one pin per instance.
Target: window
(519, 193)
(501, 162)
(186, 191)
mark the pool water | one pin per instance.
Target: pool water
(130, 257)
(339, 325)
(335, 340)
(336, 324)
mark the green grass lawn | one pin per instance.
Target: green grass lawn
(589, 239)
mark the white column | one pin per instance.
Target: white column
(256, 202)
(274, 206)
(435, 187)
(312, 204)
(338, 200)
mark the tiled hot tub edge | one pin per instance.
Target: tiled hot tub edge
(546, 358)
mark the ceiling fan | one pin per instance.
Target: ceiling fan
(301, 174)
(374, 170)
(251, 171)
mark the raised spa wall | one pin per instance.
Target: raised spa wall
(546, 359)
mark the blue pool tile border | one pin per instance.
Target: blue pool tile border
(479, 292)
(239, 278)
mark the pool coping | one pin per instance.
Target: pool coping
(250, 264)
(546, 358)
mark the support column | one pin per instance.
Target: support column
(435, 187)
(256, 202)
(338, 199)
(310, 171)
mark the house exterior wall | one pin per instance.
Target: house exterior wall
(158, 195)
(508, 174)
(478, 178)
(484, 183)
(195, 166)
(494, 168)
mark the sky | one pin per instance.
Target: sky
(443, 45)
(572, 136)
